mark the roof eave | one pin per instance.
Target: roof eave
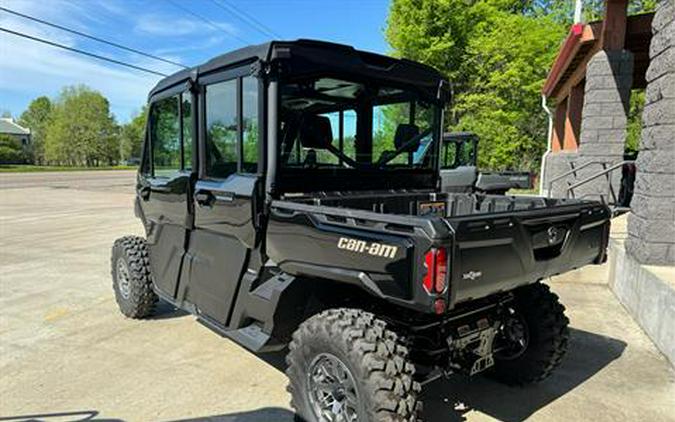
(579, 35)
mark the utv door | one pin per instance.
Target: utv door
(224, 195)
(163, 186)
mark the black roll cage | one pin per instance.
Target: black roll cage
(276, 62)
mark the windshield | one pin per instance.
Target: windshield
(329, 123)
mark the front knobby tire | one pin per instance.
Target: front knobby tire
(363, 351)
(132, 280)
(548, 337)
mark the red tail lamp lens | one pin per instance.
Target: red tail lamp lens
(428, 280)
(441, 269)
(436, 263)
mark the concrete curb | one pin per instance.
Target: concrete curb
(648, 294)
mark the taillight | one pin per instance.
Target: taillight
(441, 269)
(436, 263)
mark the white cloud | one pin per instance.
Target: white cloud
(29, 69)
(198, 45)
(170, 26)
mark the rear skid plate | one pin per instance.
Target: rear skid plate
(474, 346)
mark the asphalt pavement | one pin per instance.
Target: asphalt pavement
(66, 353)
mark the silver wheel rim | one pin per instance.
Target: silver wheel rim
(123, 278)
(516, 334)
(332, 390)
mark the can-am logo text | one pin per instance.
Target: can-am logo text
(371, 248)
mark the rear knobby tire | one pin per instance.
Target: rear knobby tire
(373, 354)
(132, 280)
(548, 337)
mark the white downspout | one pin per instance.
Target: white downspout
(578, 8)
(542, 188)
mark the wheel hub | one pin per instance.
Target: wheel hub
(515, 337)
(333, 395)
(123, 283)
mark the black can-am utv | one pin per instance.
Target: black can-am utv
(287, 203)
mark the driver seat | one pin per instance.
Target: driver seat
(315, 133)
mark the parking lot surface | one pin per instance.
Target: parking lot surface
(66, 353)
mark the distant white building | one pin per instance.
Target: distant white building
(9, 127)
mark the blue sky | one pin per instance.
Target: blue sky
(29, 69)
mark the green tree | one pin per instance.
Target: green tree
(505, 67)
(10, 150)
(634, 125)
(132, 134)
(562, 11)
(36, 117)
(496, 53)
(82, 130)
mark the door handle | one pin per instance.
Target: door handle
(204, 198)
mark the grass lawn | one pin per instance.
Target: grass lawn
(530, 192)
(27, 168)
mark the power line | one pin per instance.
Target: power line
(247, 18)
(208, 22)
(91, 37)
(86, 53)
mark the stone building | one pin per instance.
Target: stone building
(590, 84)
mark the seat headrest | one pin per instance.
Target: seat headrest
(316, 132)
(404, 133)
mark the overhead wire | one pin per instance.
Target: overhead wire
(246, 18)
(77, 50)
(91, 37)
(208, 22)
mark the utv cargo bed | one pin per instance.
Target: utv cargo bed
(496, 243)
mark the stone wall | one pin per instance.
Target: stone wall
(609, 77)
(651, 224)
(557, 163)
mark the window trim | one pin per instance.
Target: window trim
(238, 75)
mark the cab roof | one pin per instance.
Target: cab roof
(307, 56)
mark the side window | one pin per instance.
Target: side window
(449, 154)
(221, 129)
(249, 138)
(186, 110)
(466, 155)
(165, 137)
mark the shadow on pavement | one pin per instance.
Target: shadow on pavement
(267, 414)
(449, 399)
(78, 416)
(165, 310)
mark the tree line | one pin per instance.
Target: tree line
(76, 128)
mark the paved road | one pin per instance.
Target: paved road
(103, 180)
(64, 348)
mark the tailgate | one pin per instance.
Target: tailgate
(503, 250)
